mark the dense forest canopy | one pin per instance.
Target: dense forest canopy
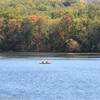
(28, 7)
(50, 25)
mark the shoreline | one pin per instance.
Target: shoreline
(50, 54)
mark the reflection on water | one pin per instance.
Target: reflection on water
(67, 78)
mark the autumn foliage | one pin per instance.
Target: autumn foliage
(72, 28)
(33, 18)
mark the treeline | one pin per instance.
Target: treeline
(76, 30)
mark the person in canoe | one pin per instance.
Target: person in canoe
(47, 62)
(44, 62)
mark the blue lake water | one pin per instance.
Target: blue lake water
(23, 78)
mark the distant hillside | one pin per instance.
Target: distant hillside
(36, 7)
(32, 7)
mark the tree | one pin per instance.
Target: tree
(39, 33)
(9, 34)
(26, 35)
(72, 46)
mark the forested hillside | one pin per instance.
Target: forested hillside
(50, 25)
(29, 7)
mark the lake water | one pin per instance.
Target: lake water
(66, 78)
